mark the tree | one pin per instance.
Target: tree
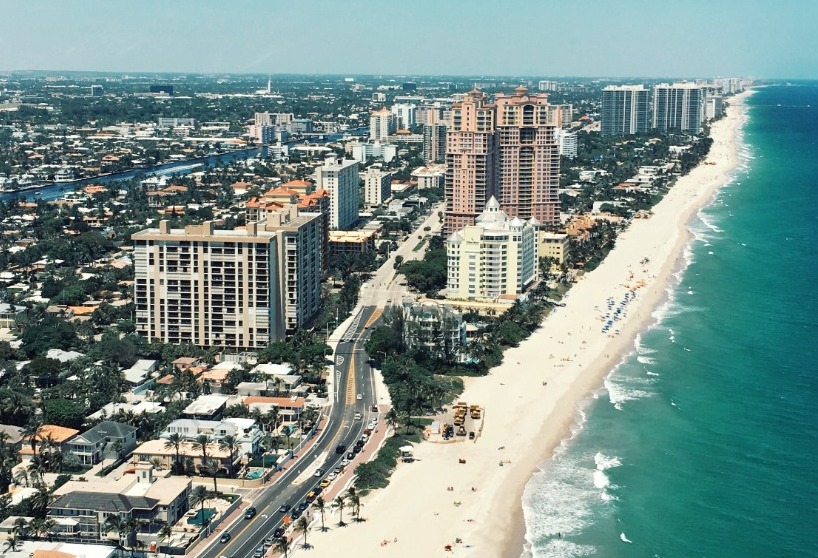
(175, 442)
(303, 526)
(11, 544)
(230, 445)
(320, 505)
(63, 412)
(340, 503)
(198, 496)
(200, 444)
(165, 533)
(392, 419)
(355, 504)
(283, 545)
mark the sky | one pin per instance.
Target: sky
(773, 39)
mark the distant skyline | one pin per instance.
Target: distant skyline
(627, 38)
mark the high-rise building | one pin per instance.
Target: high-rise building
(568, 143)
(496, 256)
(471, 160)
(434, 143)
(240, 288)
(381, 125)
(678, 107)
(377, 186)
(340, 179)
(529, 156)
(624, 110)
(405, 115)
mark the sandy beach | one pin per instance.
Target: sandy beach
(531, 401)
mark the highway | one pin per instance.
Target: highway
(352, 376)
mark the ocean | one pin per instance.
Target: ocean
(704, 440)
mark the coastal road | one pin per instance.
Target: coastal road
(353, 376)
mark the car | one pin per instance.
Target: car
(278, 533)
(345, 462)
(284, 508)
(269, 540)
(325, 483)
(295, 515)
(351, 455)
(365, 438)
(341, 448)
(357, 416)
(356, 449)
(319, 472)
(250, 513)
(388, 300)
(259, 552)
(303, 506)
(225, 538)
(332, 476)
(359, 396)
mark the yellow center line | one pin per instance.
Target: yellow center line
(351, 380)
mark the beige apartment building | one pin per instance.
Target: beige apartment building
(529, 156)
(471, 160)
(241, 288)
(495, 257)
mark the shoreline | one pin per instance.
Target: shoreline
(532, 399)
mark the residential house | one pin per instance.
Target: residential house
(106, 440)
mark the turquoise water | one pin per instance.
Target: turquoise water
(704, 441)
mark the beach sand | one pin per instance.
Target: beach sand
(531, 400)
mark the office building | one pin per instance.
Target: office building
(381, 125)
(377, 186)
(624, 110)
(340, 179)
(471, 160)
(678, 107)
(496, 257)
(529, 156)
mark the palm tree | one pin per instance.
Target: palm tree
(112, 523)
(175, 442)
(303, 526)
(200, 444)
(165, 533)
(198, 496)
(213, 466)
(321, 506)
(354, 502)
(283, 545)
(20, 528)
(30, 432)
(393, 419)
(230, 445)
(340, 504)
(11, 544)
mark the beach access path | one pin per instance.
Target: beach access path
(532, 400)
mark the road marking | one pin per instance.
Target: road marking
(350, 399)
(375, 315)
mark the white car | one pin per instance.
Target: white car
(332, 476)
(360, 396)
(344, 462)
(357, 416)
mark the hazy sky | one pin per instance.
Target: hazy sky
(651, 38)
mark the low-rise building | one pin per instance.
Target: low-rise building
(206, 407)
(81, 508)
(433, 327)
(554, 245)
(48, 437)
(245, 431)
(351, 242)
(290, 409)
(106, 440)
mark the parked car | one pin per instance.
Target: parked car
(284, 508)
